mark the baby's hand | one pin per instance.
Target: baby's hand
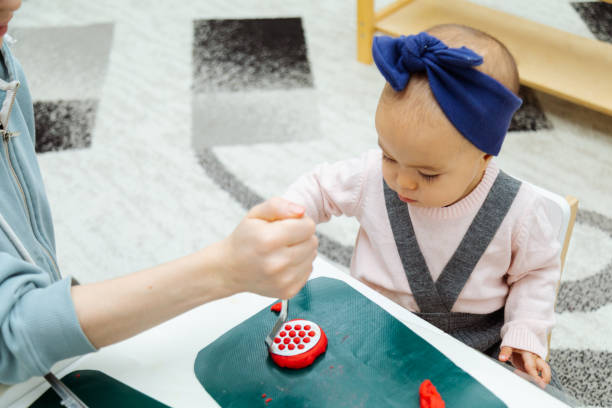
(528, 362)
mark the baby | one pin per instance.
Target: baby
(443, 231)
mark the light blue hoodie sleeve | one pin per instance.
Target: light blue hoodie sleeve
(38, 322)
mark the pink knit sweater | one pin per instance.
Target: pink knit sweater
(520, 268)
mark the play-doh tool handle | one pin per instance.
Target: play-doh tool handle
(282, 317)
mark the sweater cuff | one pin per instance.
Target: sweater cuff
(50, 326)
(522, 338)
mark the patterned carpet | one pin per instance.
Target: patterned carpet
(159, 124)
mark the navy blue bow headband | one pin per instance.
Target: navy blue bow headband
(477, 105)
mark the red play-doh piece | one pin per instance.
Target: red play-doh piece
(429, 396)
(276, 307)
(308, 347)
(268, 400)
(263, 395)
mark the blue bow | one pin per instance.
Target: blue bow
(477, 105)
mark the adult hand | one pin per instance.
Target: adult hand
(527, 362)
(271, 251)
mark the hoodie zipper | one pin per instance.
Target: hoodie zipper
(6, 136)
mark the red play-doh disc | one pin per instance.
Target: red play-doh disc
(307, 350)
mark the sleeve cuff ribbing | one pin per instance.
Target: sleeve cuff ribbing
(522, 338)
(50, 326)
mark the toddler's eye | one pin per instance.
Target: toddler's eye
(387, 158)
(429, 177)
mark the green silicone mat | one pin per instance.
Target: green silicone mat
(98, 390)
(372, 360)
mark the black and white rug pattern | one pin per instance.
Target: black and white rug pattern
(158, 127)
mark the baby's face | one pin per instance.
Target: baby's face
(425, 160)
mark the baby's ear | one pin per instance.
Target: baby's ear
(485, 159)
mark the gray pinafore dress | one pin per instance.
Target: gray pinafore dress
(436, 299)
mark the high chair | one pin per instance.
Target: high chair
(562, 215)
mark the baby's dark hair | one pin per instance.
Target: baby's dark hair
(498, 63)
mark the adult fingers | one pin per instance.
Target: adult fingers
(304, 251)
(290, 232)
(293, 261)
(304, 276)
(276, 209)
(295, 277)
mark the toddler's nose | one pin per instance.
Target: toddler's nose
(406, 182)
